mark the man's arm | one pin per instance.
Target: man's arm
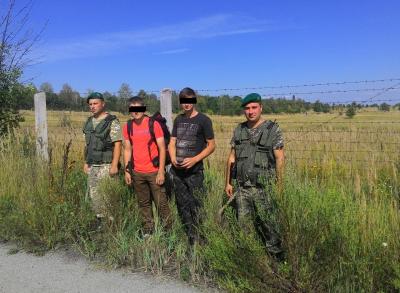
(116, 157)
(280, 166)
(161, 158)
(228, 179)
(190, 162)
(86, 167)
(172, 150)
(127, 158)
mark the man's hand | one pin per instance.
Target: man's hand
(113, 170)
(188, 163)
(86, 168)
(128, 178)
(160, 178)
(229, 190)
(174, 162)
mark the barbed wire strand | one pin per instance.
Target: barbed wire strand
(344, 161)
(302, 85)
(370, 99)
(157, 91)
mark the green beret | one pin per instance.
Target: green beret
(95, 95)
(251, 98)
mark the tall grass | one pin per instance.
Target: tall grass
(340, 224)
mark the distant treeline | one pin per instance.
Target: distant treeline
(68, 99)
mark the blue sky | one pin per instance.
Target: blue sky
(216, 44)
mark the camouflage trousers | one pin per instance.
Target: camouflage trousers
(188, 189)
(256, 209)
(98, 199)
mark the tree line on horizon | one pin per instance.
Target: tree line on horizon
(68, 99)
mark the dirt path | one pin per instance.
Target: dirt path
(64, 271)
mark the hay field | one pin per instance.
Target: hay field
(369, 140)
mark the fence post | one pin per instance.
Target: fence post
(166, 106)
(41, 125)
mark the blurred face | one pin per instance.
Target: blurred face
(252, 111)
(136, 115)
(187, 107)
(96, 106)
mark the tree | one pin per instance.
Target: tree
(351, 112)
(384, 107)
(70, 97)
(25, 96)
(46, 87)
(318, 106)
(16, 43)
(124, 91)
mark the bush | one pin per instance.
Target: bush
(350, 112)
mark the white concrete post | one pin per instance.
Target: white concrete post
(166, 106)
(41, 125)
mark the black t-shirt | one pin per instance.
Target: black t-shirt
(191, 136)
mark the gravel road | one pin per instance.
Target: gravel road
(65, 271)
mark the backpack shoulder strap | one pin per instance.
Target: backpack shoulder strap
(151, 129)
(130, 129)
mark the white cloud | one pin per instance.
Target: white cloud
(107, 43)
(171, 52)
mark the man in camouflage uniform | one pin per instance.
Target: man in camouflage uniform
(258, 159)
(102, 152)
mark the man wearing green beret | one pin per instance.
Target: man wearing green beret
(256, 161)
(103, 138)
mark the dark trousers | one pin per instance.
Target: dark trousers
(148, 191)
(189, 190)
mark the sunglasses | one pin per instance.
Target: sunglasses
(137, 109)
(188, 100)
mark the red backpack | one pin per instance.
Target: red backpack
(167, 136)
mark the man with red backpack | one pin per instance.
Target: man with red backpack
(144, 158)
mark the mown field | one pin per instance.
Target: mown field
(339, 214)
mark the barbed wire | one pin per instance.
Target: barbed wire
(334, 122)
(370, 142)
(337, 103)
(157, 91)
(345, 122)
(341, 131)
(302, 85)
(327, 92)
(370, 99)
(344, 161)
(349, 142)
(339, 151)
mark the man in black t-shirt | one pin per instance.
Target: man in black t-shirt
(192, 140)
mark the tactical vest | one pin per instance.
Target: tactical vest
(255, 160)
(99, 147)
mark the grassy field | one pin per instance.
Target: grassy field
(339, 214)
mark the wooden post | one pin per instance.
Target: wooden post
(166, 106)
(41, 125)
